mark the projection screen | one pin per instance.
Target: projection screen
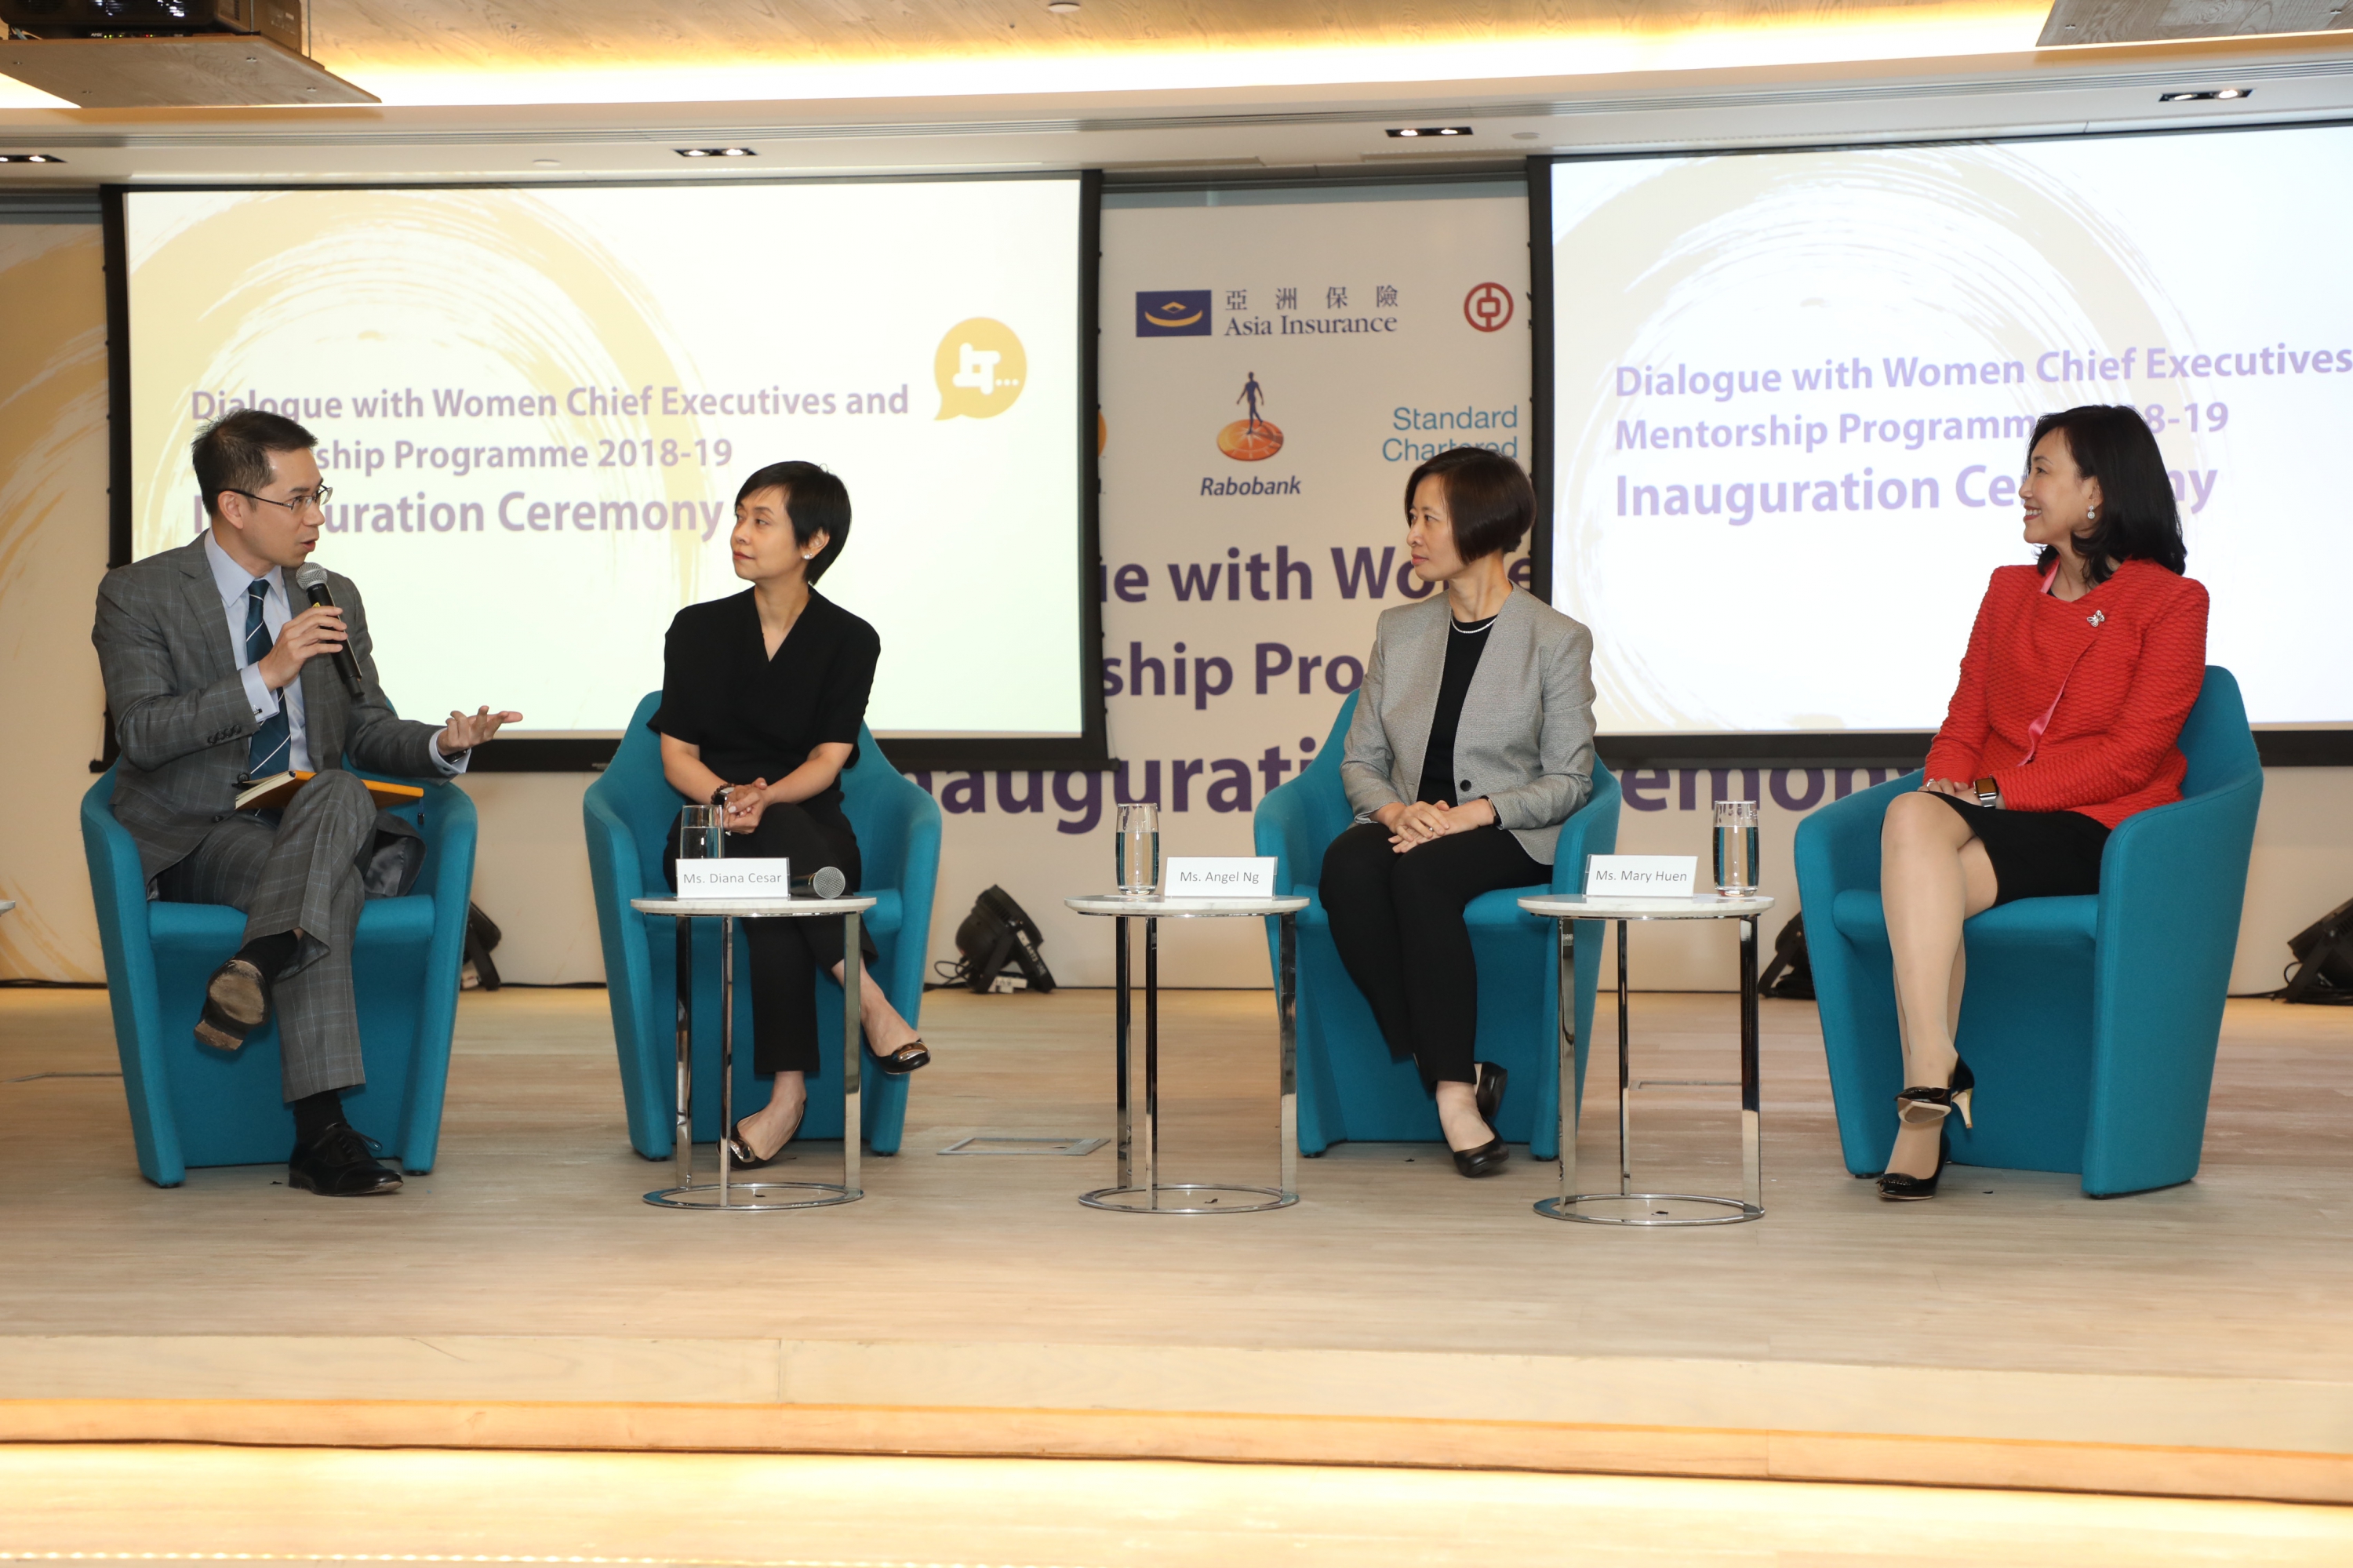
(534, 407)
(1792, 391)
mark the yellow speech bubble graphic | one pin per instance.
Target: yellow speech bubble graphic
(980, 369)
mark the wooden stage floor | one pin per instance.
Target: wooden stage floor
(2197, 1341)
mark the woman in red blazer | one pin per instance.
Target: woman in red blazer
(2079, 673)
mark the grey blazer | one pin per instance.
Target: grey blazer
(180, 712)
(1526, 740)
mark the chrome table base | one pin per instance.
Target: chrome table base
(1140, 1190)
(755, 1197)
(1626, 1206)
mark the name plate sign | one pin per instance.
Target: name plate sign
(1637, 875)
(1218, 877)
(752, 877)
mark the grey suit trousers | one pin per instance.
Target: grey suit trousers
(300, 874)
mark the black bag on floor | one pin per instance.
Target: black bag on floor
(997, 932)
(482, 934)
(1789, 976)
(2323, 971)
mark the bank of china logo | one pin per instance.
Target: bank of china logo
(980, 369)
(1173, 312)
(1488, 307)
(1252, 438)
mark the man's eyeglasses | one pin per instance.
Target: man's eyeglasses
(317, 498)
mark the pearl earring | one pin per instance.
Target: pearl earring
(2091, 513)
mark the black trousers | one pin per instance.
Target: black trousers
(1398, 922)
(787, 954)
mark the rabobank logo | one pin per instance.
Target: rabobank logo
(1172, 312)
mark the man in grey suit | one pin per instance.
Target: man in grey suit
(213, 680)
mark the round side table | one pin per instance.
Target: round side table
(1144, 1197)
(754, 1196)
(1634, 1208)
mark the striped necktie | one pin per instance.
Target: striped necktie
(273, 743)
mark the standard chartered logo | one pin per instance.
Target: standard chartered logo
(980, 369)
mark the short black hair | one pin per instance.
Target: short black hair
(816, 501)
(1487, 494)
(2139, 518)
(233, 451)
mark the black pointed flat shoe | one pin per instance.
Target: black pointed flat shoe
(739, 1148)
(905, 1059)
(1485, 1160)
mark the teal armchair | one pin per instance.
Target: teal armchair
(2091, 1022)
(628, 813)
(190, 1106)
(1349, 1087)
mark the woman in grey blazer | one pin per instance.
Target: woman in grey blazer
(1472, 743)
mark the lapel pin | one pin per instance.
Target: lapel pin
(2098, 616)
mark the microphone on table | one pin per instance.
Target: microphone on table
(825, 882)
(311, 579)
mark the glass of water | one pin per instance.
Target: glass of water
(702, 833)
(1736, 848)
(1136, 850)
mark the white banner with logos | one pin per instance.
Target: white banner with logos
(1274, 365)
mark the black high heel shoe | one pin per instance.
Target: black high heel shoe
(1487, 1093)
(1930, 1106)
(1487, 1089)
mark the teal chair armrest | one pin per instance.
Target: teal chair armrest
(2173, 881)
(616, 872)
(452, 829)
(118, 890)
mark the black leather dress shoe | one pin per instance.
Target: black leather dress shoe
(1485, 1160)
(341, 1164)
(236, 1003)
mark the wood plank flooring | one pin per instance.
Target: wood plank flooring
(2211, 1317)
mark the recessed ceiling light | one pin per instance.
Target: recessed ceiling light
(715, 152)
(1398, 130)
(548, 162)
(1063, 8)
(30, 158)
(2206, 94)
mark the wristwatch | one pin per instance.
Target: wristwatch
(1988, 793)
(719, 796)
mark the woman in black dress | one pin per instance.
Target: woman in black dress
(762, 696)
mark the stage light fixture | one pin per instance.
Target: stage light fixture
(2205, 95)
(30, 158)
(1402, 131)
(715, 152)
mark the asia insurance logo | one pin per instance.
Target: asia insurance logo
(980, 369)
(1488, 307)
(1252, 438)
(1172, 312)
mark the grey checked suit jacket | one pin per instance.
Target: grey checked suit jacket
(1526, 740)
(180, 711)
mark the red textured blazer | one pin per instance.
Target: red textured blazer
(2125, 662)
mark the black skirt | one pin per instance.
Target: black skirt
(2037, 855)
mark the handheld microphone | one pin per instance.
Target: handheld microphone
(825, 882)
(311, 579)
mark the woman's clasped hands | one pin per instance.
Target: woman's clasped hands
(1417, 822)
(746, 803)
